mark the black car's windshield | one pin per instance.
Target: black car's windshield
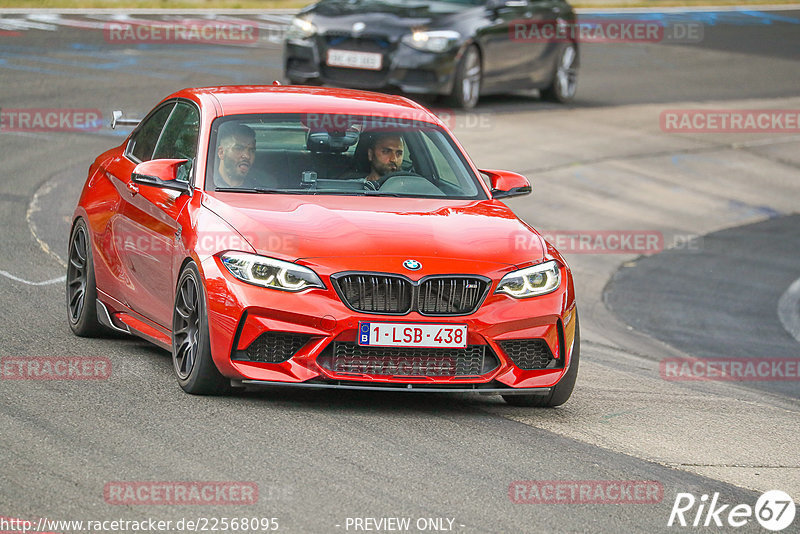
(338, 155)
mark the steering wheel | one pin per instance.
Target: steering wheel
(409, 183)
(386, 177)
(375, 185)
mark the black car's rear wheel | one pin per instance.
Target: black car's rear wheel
(467, 86)
(560, 393)
(81, 288)
(565, 79)
(191, 348)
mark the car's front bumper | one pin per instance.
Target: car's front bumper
(403, 68)
(240, 314)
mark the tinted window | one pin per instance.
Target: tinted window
(179, 138)
(329, 154)
(144, 140)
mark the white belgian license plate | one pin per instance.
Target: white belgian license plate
(412, 335)
(354, 60)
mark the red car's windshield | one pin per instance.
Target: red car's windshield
(337, 154)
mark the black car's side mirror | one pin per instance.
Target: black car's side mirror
(507, 184)
(165, 173)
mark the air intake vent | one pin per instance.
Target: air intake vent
(350, 358)
(272, 347)
(530, 354)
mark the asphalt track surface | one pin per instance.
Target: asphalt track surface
(319, 458)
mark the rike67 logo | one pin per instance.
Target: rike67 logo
(774, 510)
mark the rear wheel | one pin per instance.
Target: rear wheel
(565, 80)
(467, 86)
(561, 392)
(81, 288)
(191, 348)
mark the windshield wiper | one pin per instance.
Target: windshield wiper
(248, 190)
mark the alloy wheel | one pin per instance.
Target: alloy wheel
(566, 75)
(187, 327)
(471, 82)
(77, 274)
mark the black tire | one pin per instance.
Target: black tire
(191, 348)
(561, 392)
(81, 286)
(565, 76)
(467, 83)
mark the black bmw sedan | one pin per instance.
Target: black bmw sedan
(461, 48)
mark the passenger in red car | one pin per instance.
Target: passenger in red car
(236, 151)
(385, 156)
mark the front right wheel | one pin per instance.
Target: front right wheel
(565, 78)
(191, 347)
(560, 393)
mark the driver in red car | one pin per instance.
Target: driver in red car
(236, 152)
(385, 155)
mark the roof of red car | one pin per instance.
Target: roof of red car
(239, 99)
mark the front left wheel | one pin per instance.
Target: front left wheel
(467, 86)
(81, 287)
(191, 347)
(561, 392)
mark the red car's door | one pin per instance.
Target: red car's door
(146, 228)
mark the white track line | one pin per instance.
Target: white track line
(58, 280)
(33, 207)
(789, 309)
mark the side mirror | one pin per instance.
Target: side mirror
(117, 120)
(165, 173)
(507, 184)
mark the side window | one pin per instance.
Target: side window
(142, 144)
(443, 168)
(179, 138)
(447, 167)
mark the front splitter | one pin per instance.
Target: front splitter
(401, 388)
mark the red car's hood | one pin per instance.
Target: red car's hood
(339, 228)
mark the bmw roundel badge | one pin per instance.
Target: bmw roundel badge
(412, 265)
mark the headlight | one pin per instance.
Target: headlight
(433, 41)
(269, 272)
(300, 29)
(531, 281)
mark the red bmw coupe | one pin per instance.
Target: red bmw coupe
(324, 238)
